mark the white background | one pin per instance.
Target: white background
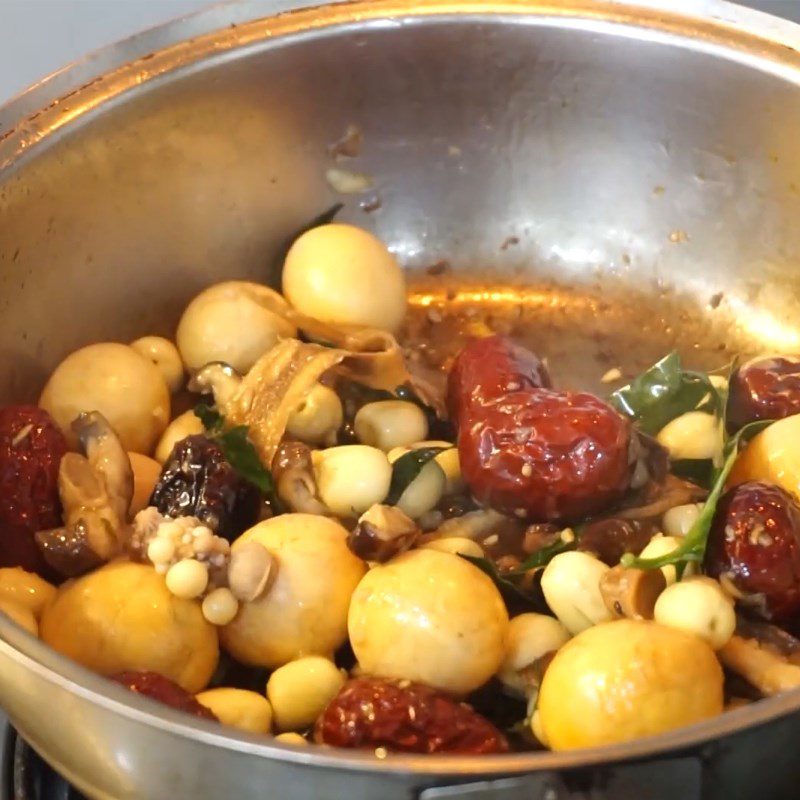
(40, 36)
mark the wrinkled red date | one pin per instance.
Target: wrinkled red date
(546, 455)
(765, 388)
(157, 687)
(489, 368)
(197, 481)
(528, 450)
(406, 717)
(31, 448)
(755, 542)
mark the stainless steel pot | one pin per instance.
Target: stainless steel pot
(633, 167)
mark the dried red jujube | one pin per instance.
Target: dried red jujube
(405, 717)
(764, 388)
(197, 481)
(31, 449)
(755, 543)
(489, 368)
(157, 687)
(546, 455)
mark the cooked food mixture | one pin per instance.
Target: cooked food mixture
(310, 519)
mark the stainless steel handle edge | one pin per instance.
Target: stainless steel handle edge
(664, 779)
(536, 786)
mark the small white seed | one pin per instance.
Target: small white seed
(242, 709)
(449, 462)
(186, 424)
(220, 606)
(530, 636)
(472, 525)
(425, 491)
(187, 579)
(698, 605)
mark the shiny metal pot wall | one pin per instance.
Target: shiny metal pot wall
(635, 169)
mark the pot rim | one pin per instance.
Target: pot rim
(65, 98)
(38, 116)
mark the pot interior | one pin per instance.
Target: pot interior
(584, 183)
(604, 193)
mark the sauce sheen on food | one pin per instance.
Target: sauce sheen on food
(317, 517)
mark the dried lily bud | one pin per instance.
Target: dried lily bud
(382, 533)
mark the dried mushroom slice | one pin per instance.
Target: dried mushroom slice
(382, 533)
(764, 655)
(632, 593)
(294, 479)
(95, 491)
